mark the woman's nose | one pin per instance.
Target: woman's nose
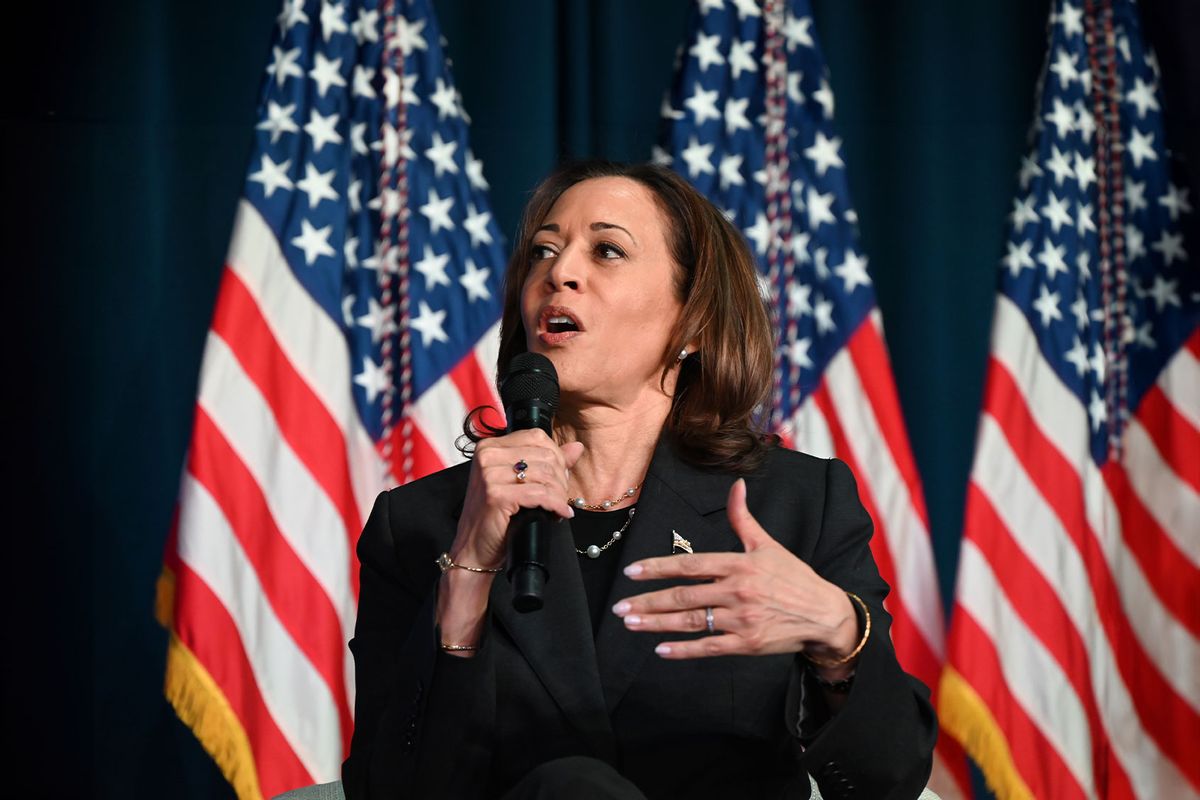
(567, 271)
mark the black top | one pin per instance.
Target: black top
(597, 527)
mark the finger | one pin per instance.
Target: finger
(727, 644)
(693, 620)
(505, 493)
(744, 524)
(687, 565)
(677, 598)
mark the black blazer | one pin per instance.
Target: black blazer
(433, 725)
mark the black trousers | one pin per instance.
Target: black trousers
(574, 778)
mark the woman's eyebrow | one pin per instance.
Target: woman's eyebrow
(599, 226)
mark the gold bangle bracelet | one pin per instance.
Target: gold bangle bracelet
(458, 647)
(837, 662)
(446, 563)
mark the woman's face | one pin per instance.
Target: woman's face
(600, 298)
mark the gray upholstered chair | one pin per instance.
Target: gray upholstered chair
(333, 791)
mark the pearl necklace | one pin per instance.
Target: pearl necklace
(605, 505)
(594, 550)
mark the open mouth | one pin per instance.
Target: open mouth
(559, 319)
(560, 324)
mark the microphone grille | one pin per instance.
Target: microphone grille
(531, 376)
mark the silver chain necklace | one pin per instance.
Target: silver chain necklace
(594, 550)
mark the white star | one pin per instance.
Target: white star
(1164, 293)
(313, 241)
(735, 115)
(1052, 259)
(800, 240)
(706, 50)
(823, 313)
(1097, 411)
(698, 157)
(1141, 147)
(1135, 195)
(1018, 258)
(703, 104)
(1135, 243)
(760, 233)
(326, 72)
(358, 138)
(795, 30)
(363, 78)
(317, 185)
(474, 280)
(333, 19)
(477, 223)
(1080, 309)
(1176, 201)
(1098, 363)
(824, 96)
(408, 35)
(798, 299)
(1022, 213)
(429, 323)
(711, 5)
(1029, 171)
(824, 153)
(279, 121)
(354, 195)
(740, 59)
(1062, 118)
(1064, 68)
(322, 129)
(853, 271)
(373, 379)
(408, 93)
(475, 172)
(1143, 337)
(1071, 20)
(443, 97)
(348, 310)
(1085, 123)
(1047, 306)
(433, 267)
(291, 15)
(819, 208)
(437, 211)
(793, 87)
(1083, 219)
(798, 352)
(667, 111)
(379, 322)
(395, 144)
(284, 66)
(272, 176)
(1142, 96)
(731, 171)
(1059, 165)
(441, 155)
(1081, 264)
(1077, 355)
(1056, 211)
(365, 28)
(819, 256)
(747, 8)
(1085, 171)
(350, 251)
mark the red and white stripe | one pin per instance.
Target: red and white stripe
(1076, 618)
(854, 415)
(280, 477)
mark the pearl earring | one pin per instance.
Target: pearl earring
(683, 354)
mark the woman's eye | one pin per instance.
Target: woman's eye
(609, 250)
(540, 251)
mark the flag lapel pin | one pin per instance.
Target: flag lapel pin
(679, 543)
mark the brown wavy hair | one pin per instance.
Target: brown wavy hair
(723, 389)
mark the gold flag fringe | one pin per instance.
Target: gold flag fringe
(963, 714)
(202, 706)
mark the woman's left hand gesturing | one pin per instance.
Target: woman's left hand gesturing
(762, 601)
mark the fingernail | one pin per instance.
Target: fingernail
(633, 569)
(663, 649)
(570, 513)
(621, 608)
(633, 620)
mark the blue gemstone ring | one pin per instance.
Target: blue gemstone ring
(520, 466)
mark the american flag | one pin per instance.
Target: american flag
(1074, 660)
(750, 123)
(356, 325)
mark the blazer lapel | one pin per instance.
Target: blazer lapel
(675, 497)
(557, 642)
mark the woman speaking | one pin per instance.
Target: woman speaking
(713, 625)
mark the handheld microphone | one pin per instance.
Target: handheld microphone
(530, 395)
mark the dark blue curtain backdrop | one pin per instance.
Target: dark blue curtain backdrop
(125, 143)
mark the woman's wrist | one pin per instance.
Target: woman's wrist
(461, 608)
(835, 659)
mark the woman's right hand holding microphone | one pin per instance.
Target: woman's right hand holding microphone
(494, 495)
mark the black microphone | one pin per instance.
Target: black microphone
(530, 395)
